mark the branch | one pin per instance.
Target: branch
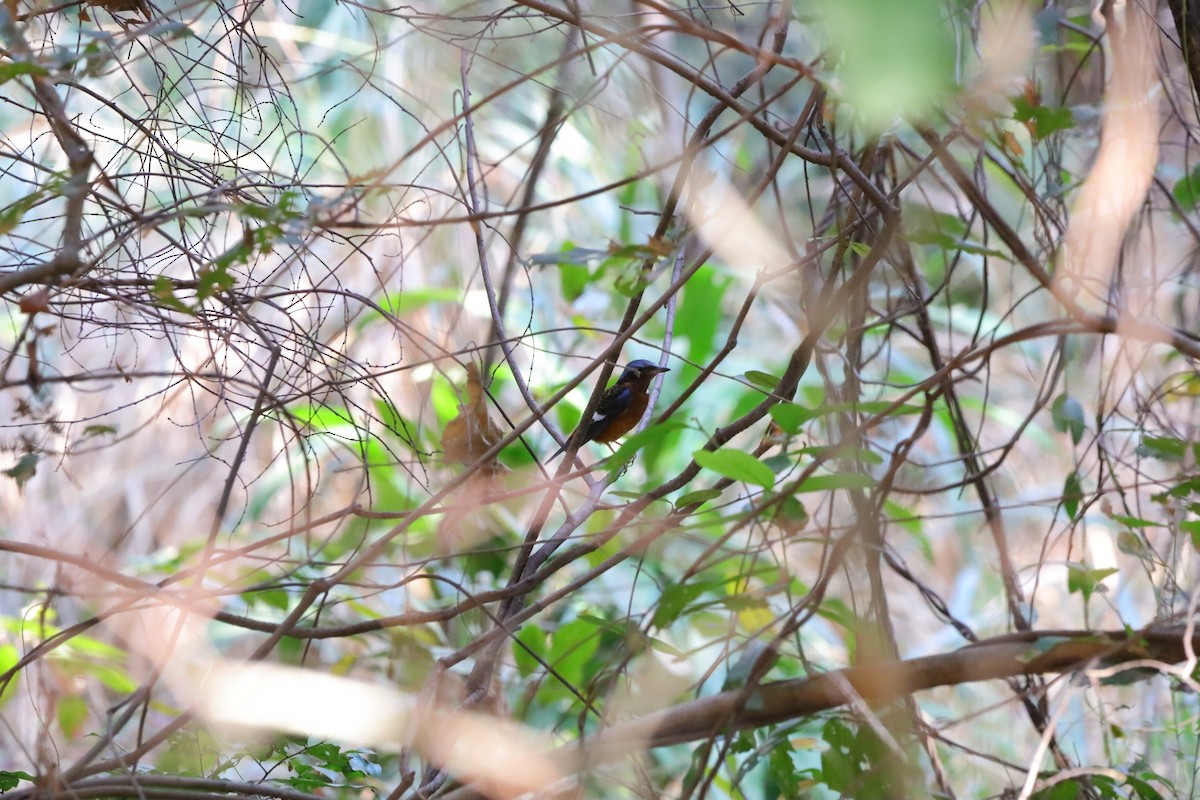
(1014, 655)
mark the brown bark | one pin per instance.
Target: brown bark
(1187, 23)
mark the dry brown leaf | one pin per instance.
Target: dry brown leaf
(472, 433)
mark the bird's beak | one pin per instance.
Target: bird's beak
(657, 370)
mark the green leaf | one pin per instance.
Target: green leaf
(1071, 494)
(933, 238)
(892, 59)
(946, 242)
(697, 318)
(790, 515)
(697, 497)
(409, 300)
(306, 778)
(1192, 529)
(98, 430)
(190, 752)
(779, 463)
(218, 274)
(790, 416)
(737, 465)
(9, 656)
(1042, 121)
(1135, 522)
(1067, 414)
(632, 444)
(574, 278)
(665, 648)
(13, 213)
(1164, 448)
(323, 418)
(1085, 581)
(1069, 789)
(675, 598)
(573, 648)
(72, 711)
(273, 598)
(23, 470)
(529, 647)
(113, 677)
(15, 69)
(860, 249)
(1131, 544)
(164, 292)
(840, 480)
(762, 380)
(783, 776)
(213, 281)
(1141, 789)
(9, 780)
(1187, 189)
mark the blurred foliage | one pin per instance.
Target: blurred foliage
(277, 279)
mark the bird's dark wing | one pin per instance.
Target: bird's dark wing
(613, 404)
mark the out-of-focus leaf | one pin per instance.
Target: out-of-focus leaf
(792, 416)
(8, 659)
(698, 317)
(630, 445)
(72, 711)
(1135, 522)
(573, 648)
(1131, 544)
(1192, 529)
(164, 292)
(841, 480)
(674, 599)
(1071, 495)
(530, 646)
(1164, 448)
(15, 69)
(1187, 189)
(1040, 120)
(98, 430)
(12, 214)
(860, 249)
(214, 280)
(893, 59)
(947, 242)
(574, 278)
(763, 380)
(790, 515)
(24, 469)
(409, 300)
(1067, 414)
(1086, 581)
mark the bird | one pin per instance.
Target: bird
(621, 406)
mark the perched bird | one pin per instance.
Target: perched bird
(621, 406)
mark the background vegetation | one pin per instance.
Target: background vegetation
(299, 297)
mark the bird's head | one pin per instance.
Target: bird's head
(640, 371)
